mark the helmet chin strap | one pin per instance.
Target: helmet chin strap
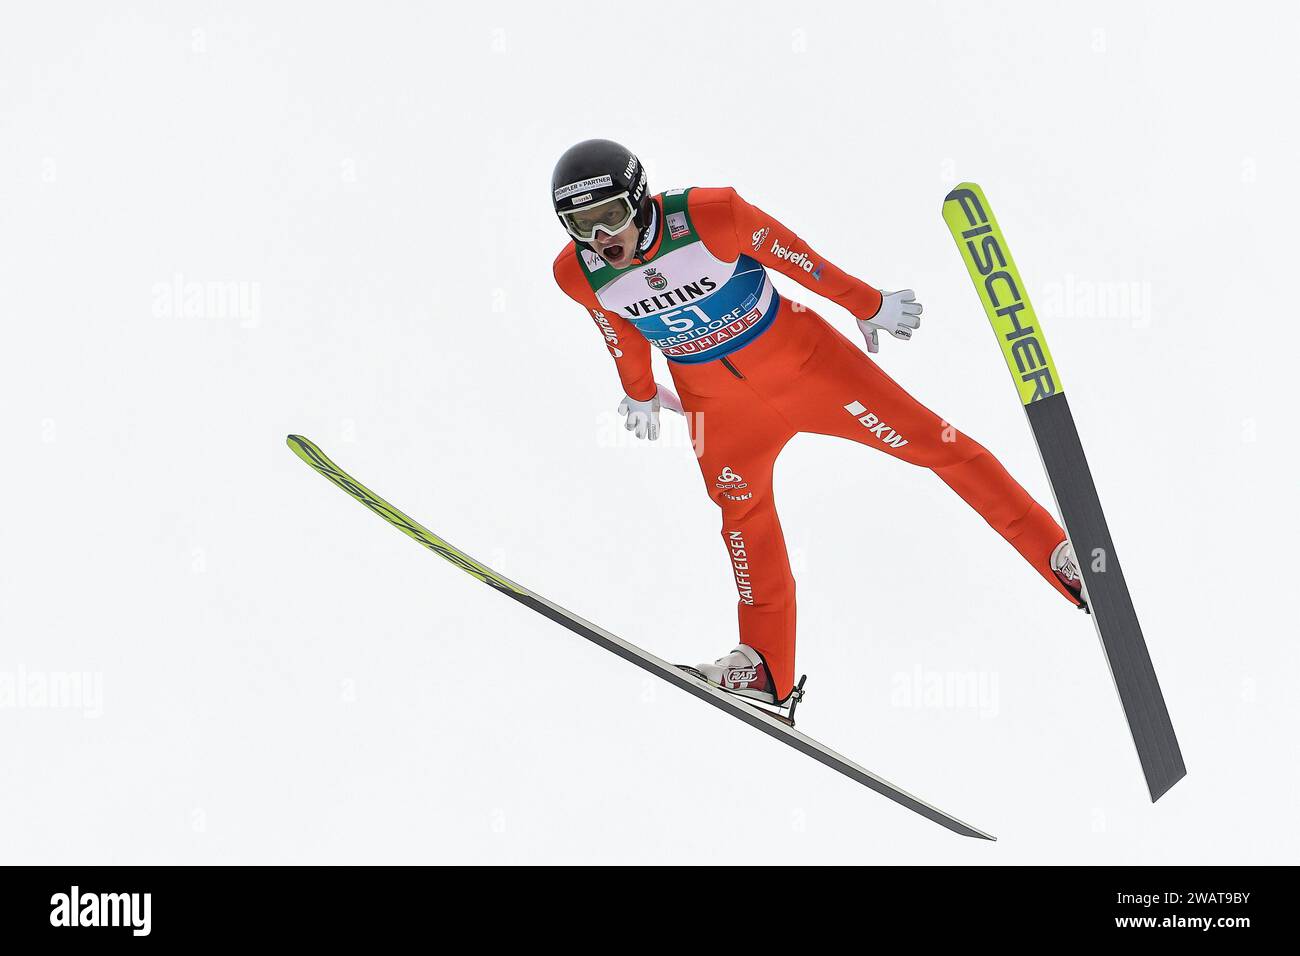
(646, 237)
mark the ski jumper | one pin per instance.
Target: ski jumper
(753, 370)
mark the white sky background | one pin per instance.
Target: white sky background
(276, 676)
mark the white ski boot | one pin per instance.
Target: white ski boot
(1066, 569)
(743, 672)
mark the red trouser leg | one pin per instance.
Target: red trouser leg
(803, 376)
(737, 438)
(842, 392)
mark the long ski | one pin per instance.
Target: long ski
(768, 724)
(984, 250)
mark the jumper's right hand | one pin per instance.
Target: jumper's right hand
(643, 417)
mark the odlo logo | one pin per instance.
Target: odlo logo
(729, 479)
(654, 280)
(102, 909)
(757, 239)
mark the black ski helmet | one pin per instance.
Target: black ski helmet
(595, 171)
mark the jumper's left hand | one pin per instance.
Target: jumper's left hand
(899, 314)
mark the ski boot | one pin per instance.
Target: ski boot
(1066, 569)
(743, 673)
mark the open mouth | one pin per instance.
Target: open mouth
(612, 253)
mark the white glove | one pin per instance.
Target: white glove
(899, 314)
(643, 417)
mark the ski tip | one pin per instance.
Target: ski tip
(304, 449)
(957, 191)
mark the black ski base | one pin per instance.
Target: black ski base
(1107, 593)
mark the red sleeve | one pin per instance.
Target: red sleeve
(630, 349)
(729, 226)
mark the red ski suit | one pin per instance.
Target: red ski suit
(753, 370)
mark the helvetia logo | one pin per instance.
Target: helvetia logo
(102, 909)
(655, 279)
(799, 259)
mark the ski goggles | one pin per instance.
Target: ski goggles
(610, 217)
